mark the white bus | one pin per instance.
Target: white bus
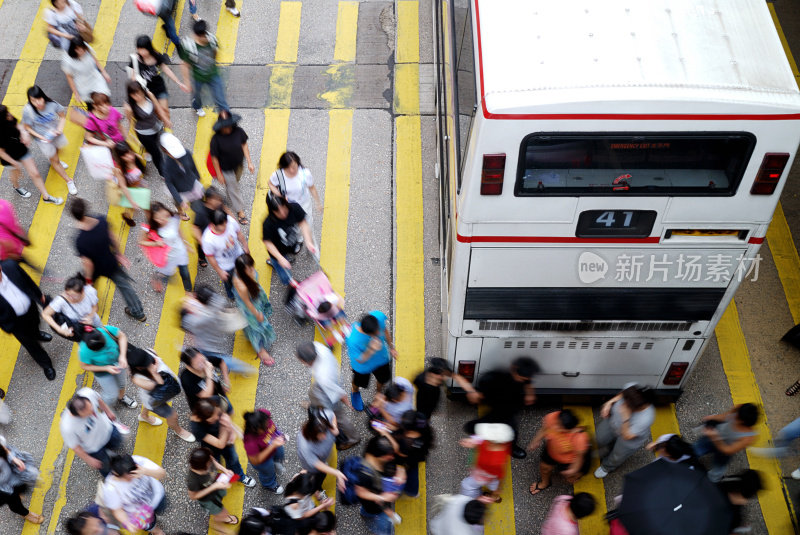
(607, 174)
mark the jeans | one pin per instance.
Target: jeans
(285, 275)
(169, 29)
(231, 460)
(185, 277)
(412, 480)
(786, 436)
(151, 144)
(266, 470)
(228, 284)
(110, 385)
(621, 449)
(719, 463)
(114, 442)
(378, 524)
(234, 365)
(123, 281)
(217, 92)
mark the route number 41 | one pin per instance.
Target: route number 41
(608, 219)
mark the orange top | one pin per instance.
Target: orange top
(563, 446)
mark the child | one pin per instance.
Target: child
(330, 315)
(429, 385)
(493, 444)
(565, 513)
(396, 399)
(208, 487)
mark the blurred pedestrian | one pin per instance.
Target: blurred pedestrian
(253, 302)
(429, 384)
(212, 200)
(295, 183)
(13, 238)
(314, 444)
(64, 22)
(323, 523)
(507, 392)
(370, 348)
(217, 432)
(782, 444)
(228, 150)
(459, 515)
(264, 442)
(18, 474)
(91, 429)
(390, 405)
(624, 428)
(44, 119)
(224, 242)
(562, 519)
(157, 385)
(283, 232)
(85, 74)
(74, 307)
(205, 378)
(672, 448)
(103, 124)
(148, 118)
(412, 441)
(566, 449)
(739, 490)
(230, 6)
(19, 314)
(128, 176)
(207, 483)
(493, 443)
(101, 257)
(299, 497)
(180, 174)
(104, 352)
(14, 141)
(166, 13)
(134, 494)
(164, 230)
(726, 434)
(199, 54)
(326, 390)
(369, 487)
(91, 521)
(147, 65)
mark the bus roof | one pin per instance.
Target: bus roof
(538, 56)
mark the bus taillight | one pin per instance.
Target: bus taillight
(675, 373)
(494, 166)
(466, 369)
(772, 167)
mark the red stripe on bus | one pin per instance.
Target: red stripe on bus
(551, 239)
(613, 116)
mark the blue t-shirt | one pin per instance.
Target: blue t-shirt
(107, 356)
(358, 342)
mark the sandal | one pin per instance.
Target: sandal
(536, 489)
(243, 220)
(202, 263)
(794, 389)
(232, 520)
(33, 518)
(268, 362)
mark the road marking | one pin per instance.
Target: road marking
(409, 298)
(594, 523)
(665, 421)
(775, 508)
(28, 63)
(346, 31)
(288, 32)
(160, 41)
(227, 32)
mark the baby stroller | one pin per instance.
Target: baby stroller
(314, 299)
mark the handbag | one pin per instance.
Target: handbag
(157, 255)
(85, 30)
(98, 161)
(62, 319)
(281, 187)
(168, 390)
(137, 74)
(148, 7)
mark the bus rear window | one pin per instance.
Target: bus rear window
(627, 164)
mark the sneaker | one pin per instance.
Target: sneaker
(129, 402)
(22, 192)
(279, 468)
(233, 11)
(155, 422)
(188, 437)
(141, 318)
(796, 474)
(71, 188)
(600, 473)
(248, 481)
(65, 165)
(200, 112)
(356, 401)
(277, 490)
(53, 200)
(395, 518)
(122, 428)
(147, 157)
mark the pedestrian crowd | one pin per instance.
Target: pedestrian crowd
(131, 494)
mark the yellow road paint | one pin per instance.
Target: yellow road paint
(406, 93)
(665, 422)
(30, 58)
(346, 24)
(340, 85)
(202, 143)
(281, 81)
(288, 32)
(227, 32)
(407, 32)
(786, 260)
(594, 523)
(784, 42)
(735, 357)
(55, 443)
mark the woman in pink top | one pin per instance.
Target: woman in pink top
(565, 513)
(104, 123)
(13, 238)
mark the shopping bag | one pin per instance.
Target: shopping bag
(148, 7)
(156, 255)
(210, 166)
(98, 162)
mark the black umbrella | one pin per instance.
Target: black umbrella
(665, 498)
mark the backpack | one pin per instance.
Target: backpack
(351, 468)
(189, 45)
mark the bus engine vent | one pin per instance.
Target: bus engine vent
(645, 326)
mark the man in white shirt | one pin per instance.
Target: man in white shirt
(19, 314)
(326, 391)
(223, 242)
(90, 429)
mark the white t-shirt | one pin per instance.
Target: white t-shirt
(77, 311)
(85, 74)
(296, 186)
(64, 20)
(90, 433)
(144, 395)
(127, 495)
(225, 248)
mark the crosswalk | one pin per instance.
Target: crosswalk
(369, 163)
